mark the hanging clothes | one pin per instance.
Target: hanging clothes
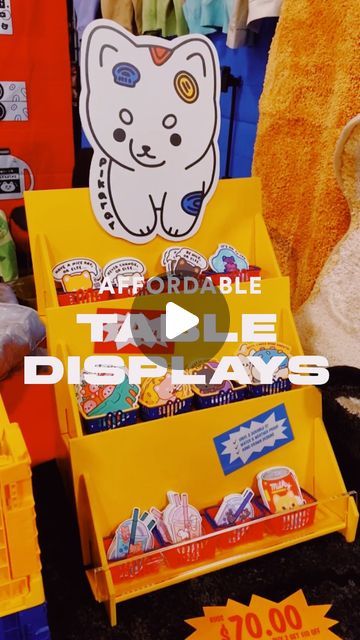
(85, 11)
(127, 13)
(246, 16)
(207, 16)
(237, 32)
(165, 17)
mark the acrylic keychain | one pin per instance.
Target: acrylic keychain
(234, 508)
(133, 536)
(182, 520)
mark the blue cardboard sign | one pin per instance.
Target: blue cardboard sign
(253, 439)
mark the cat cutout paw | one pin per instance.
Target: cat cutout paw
(150, 109)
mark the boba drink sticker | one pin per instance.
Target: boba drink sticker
(77, 273)
(13, 101)
(226, 259)
(6, 25)
(122, 267)
(183, 261)
(253, 439)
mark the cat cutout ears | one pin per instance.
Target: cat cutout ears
(150, 109)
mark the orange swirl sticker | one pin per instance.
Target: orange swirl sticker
(290, 619)
(186, 87)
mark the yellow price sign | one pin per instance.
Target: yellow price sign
(291, 619)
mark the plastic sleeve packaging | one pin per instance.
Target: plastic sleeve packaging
(21, 331)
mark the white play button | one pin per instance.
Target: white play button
(178, 320)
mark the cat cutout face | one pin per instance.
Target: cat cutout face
(77, 281)
(8, 187)
(150, 107)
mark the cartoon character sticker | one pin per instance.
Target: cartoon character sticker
(156, 392)
(98, 400)
(150, 176)
(266, 351)
(182, 261)
(77, 274)
(123, 267)
(226, 260)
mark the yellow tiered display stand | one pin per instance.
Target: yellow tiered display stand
(62, 226)
(21, 584)
(114, 471)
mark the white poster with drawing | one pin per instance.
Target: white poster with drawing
(150, 108)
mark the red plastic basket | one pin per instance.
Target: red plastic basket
(235, 536)
(196, 550)
(82, 297)
(292, 520)
(244, 275)
(133, 567)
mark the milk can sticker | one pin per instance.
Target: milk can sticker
(253, 439)
(121, 267)
(77, 273)
(6, 25)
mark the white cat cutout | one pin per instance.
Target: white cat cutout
(150, 109)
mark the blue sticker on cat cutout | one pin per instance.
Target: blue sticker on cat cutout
(253, 439)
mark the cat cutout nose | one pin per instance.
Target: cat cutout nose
(146, 148)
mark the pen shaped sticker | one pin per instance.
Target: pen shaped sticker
(235, 508)
(183, 262)
(133, 536)
(124, 268)
(228, 260)
(77, 274)
(265, 351)
(182, 520)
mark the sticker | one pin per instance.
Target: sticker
(6, 25)
(99, 400)
(265, 351)
(235, 508)
(15, 176)
(133, 536)
(77, 273)
(186, 87)
(207, 369)
(182, 261)
(226, 259)
(126, 74)
(155, 178)
(279, 489)
(13, 101)
(123, 267)
(253, 439)
(182, 520)
(156, 392)
(262, 618)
